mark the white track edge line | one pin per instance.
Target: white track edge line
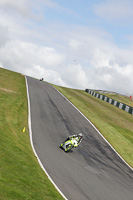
(96, 130)
(30, 134)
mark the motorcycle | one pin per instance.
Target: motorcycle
(68, 145)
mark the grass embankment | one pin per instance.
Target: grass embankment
(21, 177)
(115, 124)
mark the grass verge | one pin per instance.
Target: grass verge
(115, 124)
(21, 177)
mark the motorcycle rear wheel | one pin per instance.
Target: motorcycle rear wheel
(70, 146)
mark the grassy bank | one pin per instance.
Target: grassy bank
(115, 124)
(21, 177)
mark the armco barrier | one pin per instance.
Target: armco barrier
(118, 104)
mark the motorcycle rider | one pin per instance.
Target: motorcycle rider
(77, 138)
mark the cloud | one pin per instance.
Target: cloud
(100, 65)
(49, 50)
(75, 76)
(25, 52)
(74, 44)
(48, 75)
(30, 58)
(4, 37)
(110, 73)
(21, 6)
(50, 4)
(115, 10)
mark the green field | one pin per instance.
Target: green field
(21, 177)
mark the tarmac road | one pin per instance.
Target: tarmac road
(93, 171)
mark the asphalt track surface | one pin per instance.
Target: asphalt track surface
(93, 171)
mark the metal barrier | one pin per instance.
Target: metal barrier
(116, 103)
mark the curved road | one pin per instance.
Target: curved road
(93, 171)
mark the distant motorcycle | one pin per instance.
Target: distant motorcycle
(71, 142)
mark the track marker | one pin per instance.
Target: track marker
(24, 130)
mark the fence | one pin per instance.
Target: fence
(118, 104)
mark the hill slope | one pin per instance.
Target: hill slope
(21, 177)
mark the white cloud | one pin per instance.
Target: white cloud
(32, 59)
(98, 65)
(24, 52)
(48, 75)
(74, 44)
(115, 10)
(100, 58)
(110, 73)
(49, 50)
(4, 37)
(75, 76)
(21, 6)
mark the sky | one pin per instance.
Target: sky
(72, 43)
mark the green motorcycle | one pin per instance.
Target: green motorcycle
(69, 144)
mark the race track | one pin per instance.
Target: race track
(93, 171)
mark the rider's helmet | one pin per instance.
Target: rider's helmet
(80, 135)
